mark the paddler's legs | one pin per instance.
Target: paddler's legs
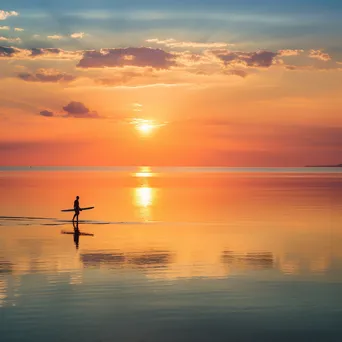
(75, 225)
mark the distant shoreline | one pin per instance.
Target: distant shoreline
(338, 165)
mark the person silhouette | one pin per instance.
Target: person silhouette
(77, 209)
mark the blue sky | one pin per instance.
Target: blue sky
(250, 24)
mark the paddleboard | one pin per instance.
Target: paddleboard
(77, 233)
(87, 208)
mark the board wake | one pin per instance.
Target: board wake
(87, 208)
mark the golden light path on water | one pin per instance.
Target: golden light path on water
(144, 195)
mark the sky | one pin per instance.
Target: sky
(170, 83)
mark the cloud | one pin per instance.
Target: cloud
(72, 110)
(126, 75)
(137, 107)
(178, 44)
(47, 113)
(19, 29)
(5, 14)
(8, 51)
(140, 57)
(300, 67)
(261, 59)
(79, 110)
(55, 36)
(10, 40)
(4, 28)
(48, 53)
(52, 53)
(319, 54)
(46, 75)
(289, 52)
(237, 72)
(77, 35)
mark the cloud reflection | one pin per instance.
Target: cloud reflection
(146, 259)
(5, 267)
(251, 260)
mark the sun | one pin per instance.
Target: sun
(145, 128)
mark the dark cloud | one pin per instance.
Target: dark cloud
(39, 52)
(76, 108)
(51, 52)
(11, 52)
(8, 51)
(73, 110)
(46, 113)
(291, 67)
(260, 59)
(79, 110)
(46, 75)
(140, 57)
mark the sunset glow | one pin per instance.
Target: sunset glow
(235, 87)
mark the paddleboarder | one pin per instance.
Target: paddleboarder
(77, 209)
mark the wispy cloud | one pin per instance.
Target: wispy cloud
(55, 37)
(5, 14)
(187, 44)
(19, 29)
(4, 28)
(319, 54)
(46, 75)
(289, 52)
(137, 107)
(10, 40)
(237, 72)
(77, 35)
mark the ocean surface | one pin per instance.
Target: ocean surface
(176, 254)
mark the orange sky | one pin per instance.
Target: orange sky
(72, 99)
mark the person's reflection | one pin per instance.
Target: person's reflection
(76, 234)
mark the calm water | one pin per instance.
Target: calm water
(177, 255)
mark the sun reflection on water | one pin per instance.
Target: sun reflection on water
(144, 172)
(144, 195)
